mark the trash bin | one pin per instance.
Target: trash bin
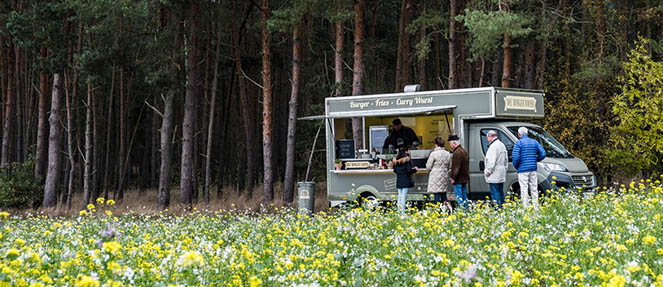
(306, 194)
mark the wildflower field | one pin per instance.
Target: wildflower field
(612, 238)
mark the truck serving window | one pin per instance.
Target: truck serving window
(552, 147)
(508, 143)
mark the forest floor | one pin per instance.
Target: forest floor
(145, 202)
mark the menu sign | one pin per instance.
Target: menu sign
(399, 102)
(345, 149)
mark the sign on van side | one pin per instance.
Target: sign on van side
(519, 103)
(387, 103)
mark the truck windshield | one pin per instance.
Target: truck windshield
(552, 147)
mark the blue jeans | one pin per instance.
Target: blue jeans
(402, 196)
(439, 197)
(461, 195)
(497, 193)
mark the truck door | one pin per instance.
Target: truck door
(477, 182)
(478, 153)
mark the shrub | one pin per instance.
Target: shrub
(19, 189)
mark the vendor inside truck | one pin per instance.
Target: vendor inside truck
(400, 136)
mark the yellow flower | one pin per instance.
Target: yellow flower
(659, 252)
(100, 201)
(87, 281)
(4, 214)
(82, 213)
(255, 282)
(115, 267)
(110, 202)
(19, 242)
(516, 276)
(617, 281)
(192, 258)
(111, 247)
(13, 253)
(649, 239)
(108, 213)
(90, 206)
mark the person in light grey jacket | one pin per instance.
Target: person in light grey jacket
(438, 165)
(497, 162)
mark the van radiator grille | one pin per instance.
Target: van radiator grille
(580, 180)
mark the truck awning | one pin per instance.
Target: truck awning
(382, 113)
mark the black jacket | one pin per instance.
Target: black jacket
(406, 136)
(404, 170)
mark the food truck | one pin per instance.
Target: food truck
(359, 171)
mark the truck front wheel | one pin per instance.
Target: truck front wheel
(368, 200)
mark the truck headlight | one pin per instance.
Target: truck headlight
(553, 167)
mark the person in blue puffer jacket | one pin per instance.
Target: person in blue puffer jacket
(526, 153)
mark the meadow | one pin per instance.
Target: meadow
(613, 237)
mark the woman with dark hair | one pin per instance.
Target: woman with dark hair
(404, 170)
(438, 165)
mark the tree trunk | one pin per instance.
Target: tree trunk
(399, 52)
(438, 64)
(508, 62)
(3, 76)
(508, 54)
(421, 63)
(530, 63)
(70, 117)
(9, 108)
(107, 171)
(338, 66)
(289, 182)
(19, 63)
(495, 77)
(96, 150)
(248, 110)
(118, 194)
(210, 124)
(357, 125)
(405, 50)
(70, 144)
(244, 105)
(338, 58)
(376, 66)
(40, 163)
(452, 44)
(88, 146)
(163, 194)
(53, 171)
(154, 148)
(268, 175)
(195, 159)
(186, 180)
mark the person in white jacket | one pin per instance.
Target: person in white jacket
(497, 162)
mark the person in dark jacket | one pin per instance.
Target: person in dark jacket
(526, 153)
(404, 170)
(460, 171)
(401, 136)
